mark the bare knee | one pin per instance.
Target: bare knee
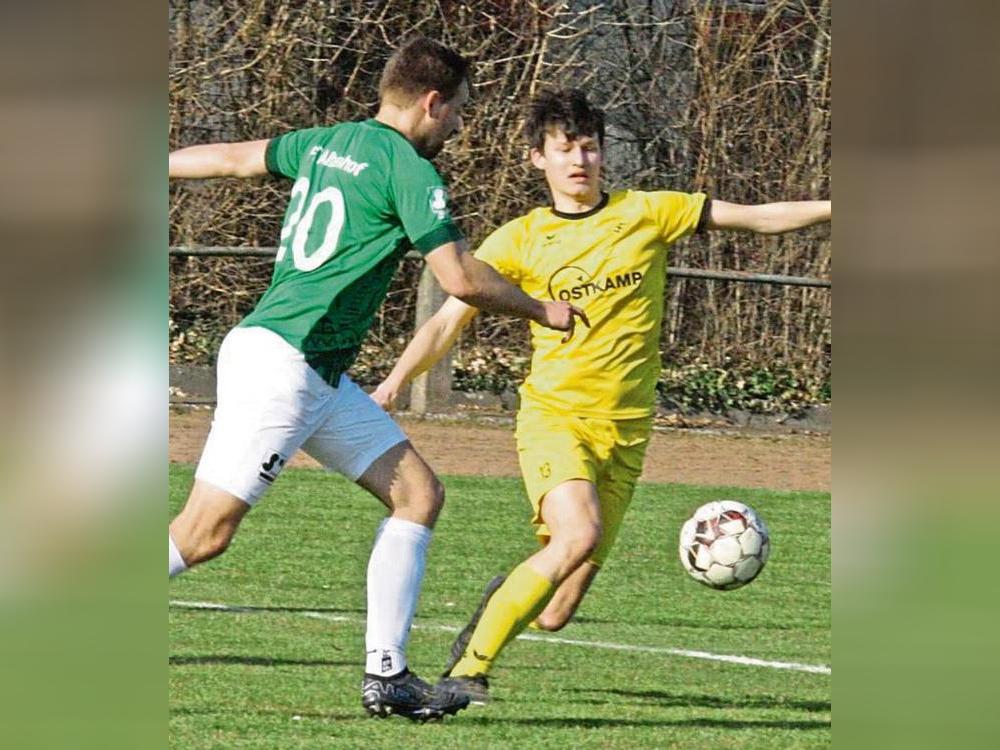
(438, 497)
(567, 550)
(553, 621)
(581, 543)
(405, 484)
(425, 500)
(432, 498)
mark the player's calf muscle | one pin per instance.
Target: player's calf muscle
(207, 524)
(201, 540)
(566, 600)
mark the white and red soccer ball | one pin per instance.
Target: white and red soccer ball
(724, 545)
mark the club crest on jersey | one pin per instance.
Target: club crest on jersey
(437, 199)
(573, 282)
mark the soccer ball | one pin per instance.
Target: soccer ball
(724, 545)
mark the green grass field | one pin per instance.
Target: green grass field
(285, 671)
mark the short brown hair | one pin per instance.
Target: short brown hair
(567, 109)
(421, 65)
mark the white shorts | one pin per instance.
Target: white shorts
(271, 403)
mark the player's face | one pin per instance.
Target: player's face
(443, 121)
(572, 166)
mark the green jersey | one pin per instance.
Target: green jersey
(362, 196)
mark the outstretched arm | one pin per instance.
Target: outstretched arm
(477, 283)
(245, 159)
(431, 342)
(768, 218)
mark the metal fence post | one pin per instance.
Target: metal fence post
(431, 391)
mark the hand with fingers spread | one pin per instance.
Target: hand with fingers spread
(561, 316)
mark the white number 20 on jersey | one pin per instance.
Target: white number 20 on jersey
(299, 225)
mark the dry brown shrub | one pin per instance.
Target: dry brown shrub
(732, 98)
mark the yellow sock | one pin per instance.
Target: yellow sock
(520, 599)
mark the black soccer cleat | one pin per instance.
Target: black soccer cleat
(462, 641)
(407, 695)
(475, 688)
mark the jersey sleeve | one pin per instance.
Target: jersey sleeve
(678, 214)
(284, 153)
(423, 206)
(502, 250)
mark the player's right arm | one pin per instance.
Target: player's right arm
(244, 159)
(478, 284)
(430, 343)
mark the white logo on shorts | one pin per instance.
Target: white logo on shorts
(270, 464)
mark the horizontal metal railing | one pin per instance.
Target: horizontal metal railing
(431, 391)
(690, 273)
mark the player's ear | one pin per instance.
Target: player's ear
(537, 158)
(431, 102)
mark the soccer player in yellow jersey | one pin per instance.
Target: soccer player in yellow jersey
(587, 404)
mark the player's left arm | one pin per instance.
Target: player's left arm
(767, 218)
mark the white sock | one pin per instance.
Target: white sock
(395, 572)
(175, 563)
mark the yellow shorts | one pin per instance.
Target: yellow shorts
(553, 449)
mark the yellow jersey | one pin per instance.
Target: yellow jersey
(611, 262)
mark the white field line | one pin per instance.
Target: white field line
(749, 661)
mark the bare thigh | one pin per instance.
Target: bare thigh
(572, 513)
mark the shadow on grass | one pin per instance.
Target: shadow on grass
(257, 661)
(710, 701)
(592, 723)
(552, 667)
(676, 622)
(290, 714)
(238, 608)
(496, 723)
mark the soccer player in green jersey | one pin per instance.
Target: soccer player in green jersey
(363, 193)
(586, 406)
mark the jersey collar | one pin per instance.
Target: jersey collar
(375, 123)
(563, 215)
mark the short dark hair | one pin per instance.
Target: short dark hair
(567, 109)
(421, 65)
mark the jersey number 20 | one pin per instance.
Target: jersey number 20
(299, 226)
